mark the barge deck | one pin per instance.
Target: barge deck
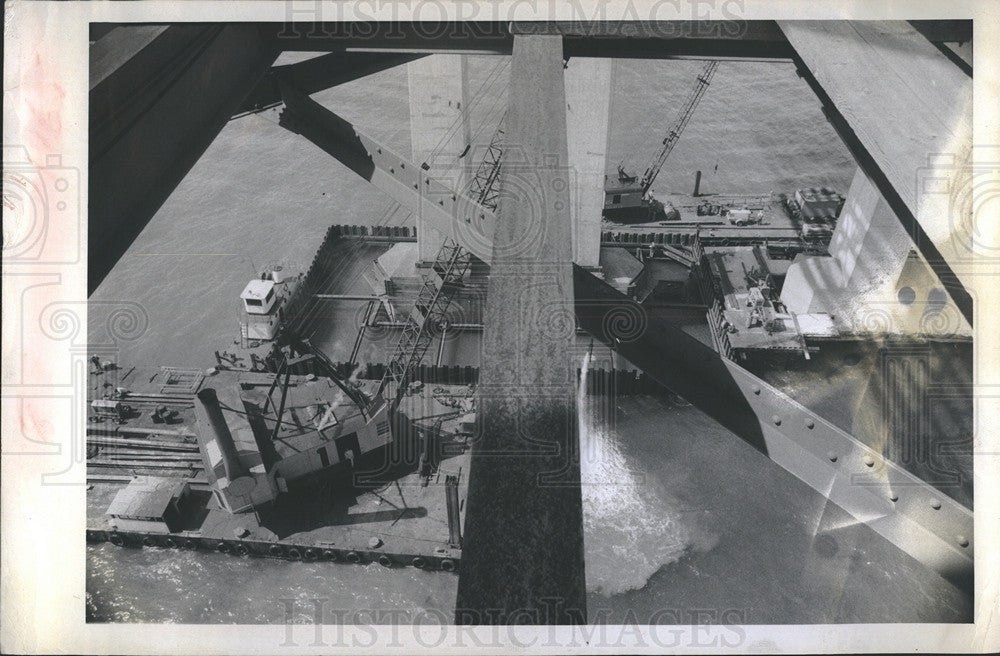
(383, 510)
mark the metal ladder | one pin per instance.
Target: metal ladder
(450, 266)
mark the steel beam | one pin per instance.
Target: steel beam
(957, 30)
(631, 39)
(905, 113)
(158, 97)
(929, 526)
(452, 213)
(484, 37)
(651, 39)
(733, 29)
(320, 73)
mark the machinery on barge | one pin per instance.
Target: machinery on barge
(628, 198)
(277, 432)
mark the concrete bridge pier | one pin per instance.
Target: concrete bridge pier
(588, 103)
(873, 281)
(439, 130)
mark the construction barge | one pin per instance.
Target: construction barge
(277, 451)
(274, 451)
(354, 498)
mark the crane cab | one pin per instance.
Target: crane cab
(259, 296)
(625, 202)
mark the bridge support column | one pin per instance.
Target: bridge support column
(439, 129)
(588, 102)
(871, 282)
(869, 244)
(522, 555)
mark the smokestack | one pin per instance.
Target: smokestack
(697, 183)
(213, 426)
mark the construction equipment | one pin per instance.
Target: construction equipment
(327, 368)
(483, 187)
(675, 132)
(745, 217)
(627, 199)
(450, 266)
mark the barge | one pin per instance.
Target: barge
(278, 451)
(275, 451)
(320, 492)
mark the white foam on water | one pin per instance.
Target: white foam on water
(631, 529)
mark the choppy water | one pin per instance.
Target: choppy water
(632, 525)
(260, 194)
(160, 585)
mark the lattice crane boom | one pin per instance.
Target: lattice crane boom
(675, 132)
(483, 187)
(450, 267)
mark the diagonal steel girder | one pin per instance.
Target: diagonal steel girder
(929, 526)
(319, 73)
(912, 153)
(451, 212)
(926, 524)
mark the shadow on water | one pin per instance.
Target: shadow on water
(663, 351)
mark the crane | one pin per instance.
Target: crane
(483, 187)
(439, 289)
(675, 132)
(626, 199)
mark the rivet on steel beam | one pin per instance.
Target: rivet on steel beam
(756, 390)
(810, 424)
(869, 461)
(962, 541)
(776, 419)
(832, 456)
(936, 504)
(893, 496)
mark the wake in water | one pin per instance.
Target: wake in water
(632, 527)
